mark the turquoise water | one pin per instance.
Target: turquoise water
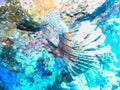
(33, 70)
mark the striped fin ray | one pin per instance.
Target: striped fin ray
(80, 51)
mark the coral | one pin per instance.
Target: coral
(30, 34)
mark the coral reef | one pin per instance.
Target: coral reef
(38, 53)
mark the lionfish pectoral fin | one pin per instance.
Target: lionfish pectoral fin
(80, 64)
(81, 52)
(76, 61)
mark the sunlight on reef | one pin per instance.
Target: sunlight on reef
(59, 45)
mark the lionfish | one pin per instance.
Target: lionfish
(78, 49)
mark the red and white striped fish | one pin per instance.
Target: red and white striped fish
(79, 50)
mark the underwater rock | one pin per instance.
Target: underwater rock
(66, 77)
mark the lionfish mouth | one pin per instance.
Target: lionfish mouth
(57, 52)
